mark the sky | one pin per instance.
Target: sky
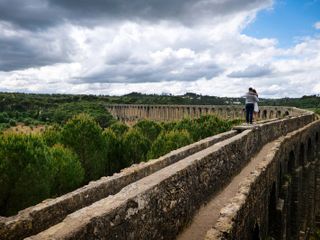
(114, 47)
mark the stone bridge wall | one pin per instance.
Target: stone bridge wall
(281, 199)
(161, 204)
(132, 113)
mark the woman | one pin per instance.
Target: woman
(256, 107)
(251, 98)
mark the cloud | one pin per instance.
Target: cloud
(22, 49)
(253, 71)
(32, 14)
(37, 14)
(118, 46)
(317, 25)
(166, 65)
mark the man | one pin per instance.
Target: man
(251, 99)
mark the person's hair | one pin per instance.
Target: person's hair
(250, 88)
(254, 92)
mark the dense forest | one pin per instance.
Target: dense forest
(80, 141)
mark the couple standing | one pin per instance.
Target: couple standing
(251, 104)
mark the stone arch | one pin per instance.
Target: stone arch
(280, 176)
(309, 150)
(184, 112)
(243, 113)
(264, 114)
(291, 162)
(187, 111)
(301, 155)
(317, 137)
(272, 212)
(227, 113)
(255, 235)
(271, 114)
(148, 111)
(286, 113)
(278, 114)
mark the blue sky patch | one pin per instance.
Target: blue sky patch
(288, 22)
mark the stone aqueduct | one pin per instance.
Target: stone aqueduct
(269, 173)
(132, 113)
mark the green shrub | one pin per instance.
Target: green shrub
(30, 171)
(12, 123)
(68, 172)
(52, 135)
(26, 172)
(135, 146)
(4, 126)
(168, 141)
(28, 121)
(4, 117)
(203, 127)
(119, 128)
(64, 111)
(113, 152)
(169, 126)
(84, 136)
(150, 129)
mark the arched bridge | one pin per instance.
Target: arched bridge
(253, 182)
(130, 113)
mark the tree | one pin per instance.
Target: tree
(113, 152)
(52, 135)
(119, 128)
(68, 172)
(84, 136)
(150, 129)
(168, 141)
(204, 126)
(135, 146)
(26, 172)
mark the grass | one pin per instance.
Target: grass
(21, 128)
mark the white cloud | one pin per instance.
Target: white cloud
(317, 25)
(213, 58)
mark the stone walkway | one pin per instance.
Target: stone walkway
(208, 214)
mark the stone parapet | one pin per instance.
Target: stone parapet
(160, 205)
(248, 214)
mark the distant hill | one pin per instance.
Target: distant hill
(23, 101)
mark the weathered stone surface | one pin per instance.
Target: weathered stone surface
(295, 192)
